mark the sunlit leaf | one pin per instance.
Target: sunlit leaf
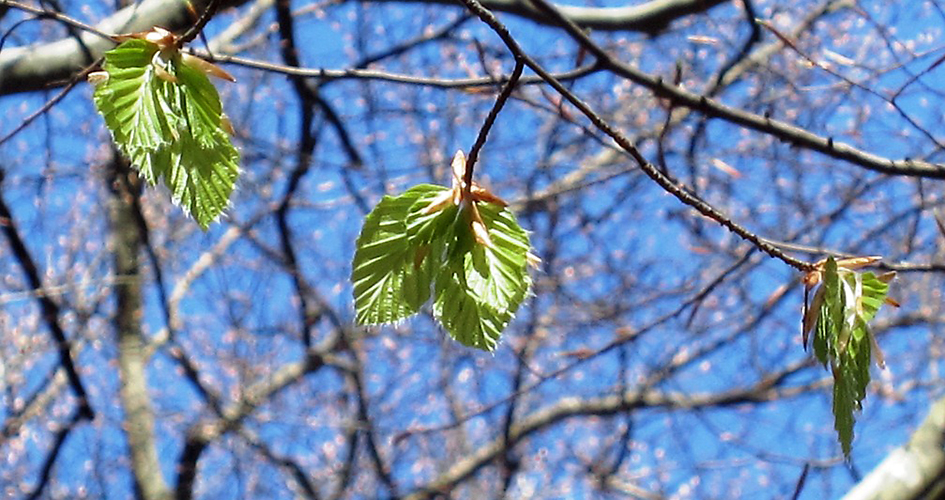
(422, 240)
(392, 271)
(847, 301)
(168, 120)
(479, 290)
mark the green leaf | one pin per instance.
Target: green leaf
(421, 240)
(874, 294)
(172, 131)
(843, 342)
(392, 272)
(479, 290)
(843, 408)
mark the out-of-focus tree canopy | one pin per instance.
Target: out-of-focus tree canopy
(680, 165)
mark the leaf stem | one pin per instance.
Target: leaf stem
(202, 21)
(487, 125)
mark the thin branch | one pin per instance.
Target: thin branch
(45, 65)
(830, 71)
(368, 429)
(201, 434)
(79, 77)
(667, 183)
(197, 28)
(743, 52)
(800, 482)
(354, 157)
(58, 441)
(651, 17)
(49, 307)
(64, 19)
(490, 120)
(309, 313)
(307, 489)
(795, 135)
(73, 32)
(328, 75)
(624, 336)
(415, 42)
(766, 389)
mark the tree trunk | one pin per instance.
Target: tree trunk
(139, 418)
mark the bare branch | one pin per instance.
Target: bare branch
(650, 17)
(132, 361)
(565, 408)
(50, 308)
(38, 67)
(789, 133)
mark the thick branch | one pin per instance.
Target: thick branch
(45, 65)
(138, 416)
(650, 17)
(915, 470)
(764, 390)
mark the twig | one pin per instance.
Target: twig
(667, 183)
(792, 134)
(328, 75)
(742, 53)
(50, 309)
(490, 120)
(403, 47)
(197, 28)
(830, 71)
(309, 312)
(800, 482)
(48, 14)
(58, 442)
(52, 102)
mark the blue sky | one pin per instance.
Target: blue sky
(621, 245)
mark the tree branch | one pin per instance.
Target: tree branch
(40, 66)
(49, 307)
(667, 183)
(44, 65)
(132, 361)
(201, 434)
(649, 17)
(915, 470)
(487, 125)
(784, 131)
(58, 441)
(764, 390)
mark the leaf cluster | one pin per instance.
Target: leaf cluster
(408, 254)
(843, 305)
(165, 115)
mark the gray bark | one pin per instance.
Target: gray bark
(915, 470)
(132, 362)
(650, 17)
(46, 65)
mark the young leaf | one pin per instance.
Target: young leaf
(465, 244)
(392, 271)
(479, 290)
(166, 116)
(847, 301)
